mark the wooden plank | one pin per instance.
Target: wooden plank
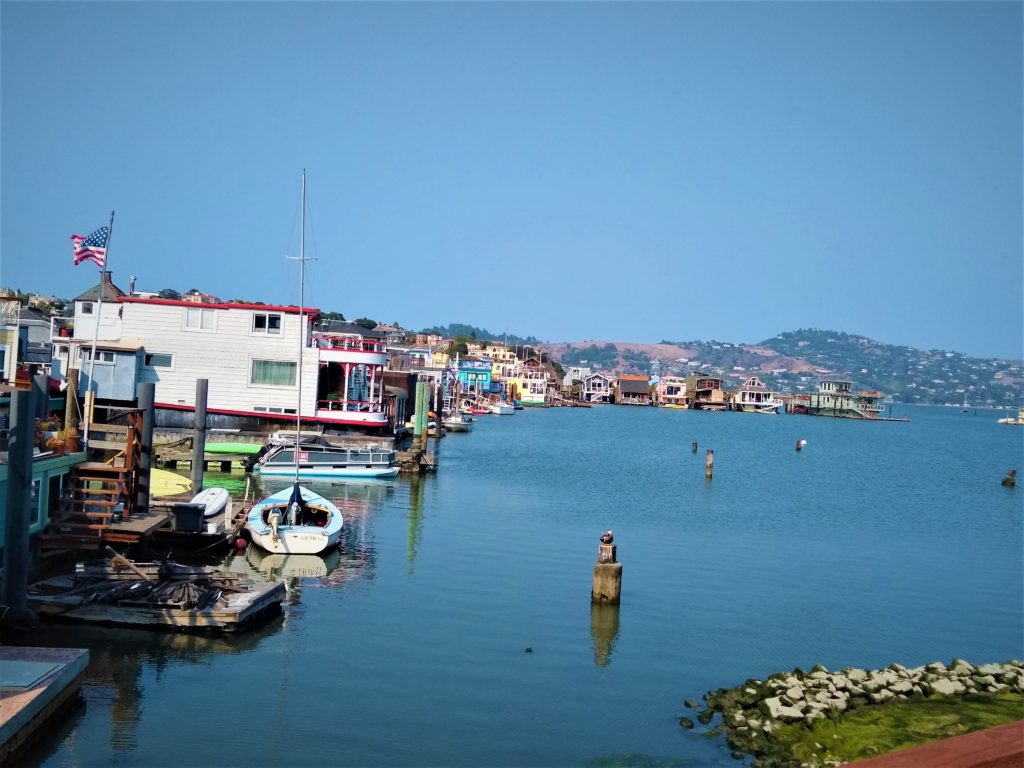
(98, 466)
(106, 445)
(112, 428)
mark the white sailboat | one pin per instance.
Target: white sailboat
(296, 520)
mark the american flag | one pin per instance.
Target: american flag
(92, 248)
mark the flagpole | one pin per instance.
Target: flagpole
(95, 335)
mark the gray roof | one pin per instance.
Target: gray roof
(110, 291)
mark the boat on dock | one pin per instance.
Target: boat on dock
(217, 508)
(158, 595)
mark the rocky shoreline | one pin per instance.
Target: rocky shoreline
(754, 711)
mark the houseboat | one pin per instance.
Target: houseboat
(596, 388)
(705, 393)
(633, 390)
(754, 397)
(671, 391)
(247, 352)
(836, 398)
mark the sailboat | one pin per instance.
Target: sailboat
(296, 520)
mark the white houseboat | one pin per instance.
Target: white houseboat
(754, 397)
(836, 398)
(247, 352)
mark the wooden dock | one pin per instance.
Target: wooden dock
(158, 596)
(35, 684)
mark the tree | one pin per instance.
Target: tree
(366, 323)
(169, 293)
(332, 316)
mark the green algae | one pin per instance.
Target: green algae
(878, 729)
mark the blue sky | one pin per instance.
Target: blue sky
(623, 171)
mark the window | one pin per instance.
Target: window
(277, 373)
(86, 307)
(198, 319)
(264, 322)
(102, 356)
(159, 360)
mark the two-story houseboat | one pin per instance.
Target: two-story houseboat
(247, 352)
(754, 397)
(836, 398)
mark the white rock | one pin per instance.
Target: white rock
(903, 686)
(948, 687)
(856, 675)
(795, 694)
(881, 695)
(991, 669)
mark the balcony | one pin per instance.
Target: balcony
(61, 328)
(361, 413)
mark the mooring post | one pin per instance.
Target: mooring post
(607, 585)
(41, 399)
(1010, 481)
(799, 445)
(145, 396)
(71, 403)
(17, 616)
(693, 448)
(709, 466)
(199, 436)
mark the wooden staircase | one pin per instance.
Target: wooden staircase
(98, 494)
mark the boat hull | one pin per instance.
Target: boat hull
(301, 539)
(325, 471)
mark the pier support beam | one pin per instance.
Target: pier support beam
(199, 435)
(145, 398)
(17, 616)
(70, 404)
(709, 465)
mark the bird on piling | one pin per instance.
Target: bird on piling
(607, 537)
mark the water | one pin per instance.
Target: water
(877, 543)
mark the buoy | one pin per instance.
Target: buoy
(241, 543)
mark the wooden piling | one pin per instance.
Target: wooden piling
(199, 436)
(693, 448)
(145, 397)
(799, 445)
(1010, 481)
(607, 584)
(18, 514)
(709, 466)
(70, 404)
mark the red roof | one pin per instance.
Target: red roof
(292, 310)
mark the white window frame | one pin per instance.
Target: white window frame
(148, 364)
(266, 330)
(252, 365)
(103, 356)
(203, 314)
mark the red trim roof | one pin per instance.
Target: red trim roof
(222, 305)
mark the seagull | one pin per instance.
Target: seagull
(607, 537)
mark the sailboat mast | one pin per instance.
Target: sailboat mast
(302, 320)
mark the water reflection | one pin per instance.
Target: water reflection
(604, 628)
(117, 658)
(415, 519)
(354, 555)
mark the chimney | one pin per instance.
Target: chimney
(105, 277)
(131, 285)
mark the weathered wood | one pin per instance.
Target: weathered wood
(119, 559)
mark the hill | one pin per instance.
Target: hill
(794, 361)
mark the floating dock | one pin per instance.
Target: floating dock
(35, 683)
(157, 595)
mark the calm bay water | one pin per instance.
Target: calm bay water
(877, 543)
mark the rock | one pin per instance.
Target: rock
(936, 666)
(904, 687)
(795, 694)
(947, 687)
(991, 669)
(685, 723)
(776, 710)
(984, 680)
(819, 674)
(706, 716)
(837, 705)
(856, 675)
(691, 704)
(961, 668)
(737, 755)
(813, 715)
(996, 687)
(881, 696)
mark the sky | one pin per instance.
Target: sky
(571, 171)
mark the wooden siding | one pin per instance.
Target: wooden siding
(222, 355)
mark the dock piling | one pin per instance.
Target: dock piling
(693, 448)
(709, 465)
(17, 615)
(1010, 481)
(199, 435)
(607, 584)
(146, 397)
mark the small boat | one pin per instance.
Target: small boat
(502, 409)
(1019, 421)
(294, 521)
(323, 460)
(457, 422)
(215, 501)
(163, 483)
